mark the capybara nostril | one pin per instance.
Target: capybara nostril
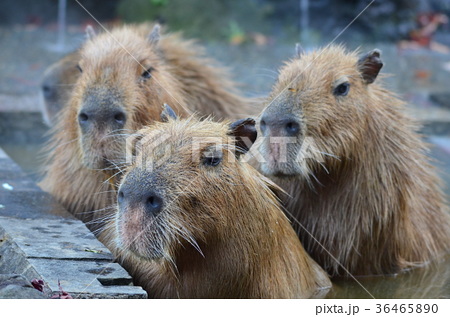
(292, 128)
(47, 91)
(83, 118)
(153, 204)
(120, 118)
(263, 126)
(120, 197)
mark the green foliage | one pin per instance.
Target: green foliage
(204, 19)
(159, 2)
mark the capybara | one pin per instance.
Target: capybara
(126, 76)
(360, 186)
(195, 222)
(56, 86)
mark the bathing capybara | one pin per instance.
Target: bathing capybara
(126, 76)
(361, 189)
(56, 86)
(195, 222)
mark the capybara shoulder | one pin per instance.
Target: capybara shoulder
(193, 221)
(355, 168)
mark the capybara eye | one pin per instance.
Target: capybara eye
(120, 117)
(148, 73)
(342, 89)
(213, 159)
(79, 68)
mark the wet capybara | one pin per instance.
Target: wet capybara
(56, 86)
(361, 189)
(195, 222)
(125, 77)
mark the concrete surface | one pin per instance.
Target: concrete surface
(15, 286)
(40, 240)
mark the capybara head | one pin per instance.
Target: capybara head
(182, 173)
(122, 86)
(56, 86)
(313, 107)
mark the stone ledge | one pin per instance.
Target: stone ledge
(62, 252)
(15, 286)
(40, 240)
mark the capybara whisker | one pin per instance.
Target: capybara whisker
(112, 177)
(331, 155)
(323, 166)
(66, 143)
(269, 71)
(267, 76)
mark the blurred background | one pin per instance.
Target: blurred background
(252, 38)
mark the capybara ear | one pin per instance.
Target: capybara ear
(133, 146)
(155, 35)
(90, 33)
(299, 51)
(369, 65)
(168, 113)
(245, 133)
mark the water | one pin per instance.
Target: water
(432, 281)
(27, 156)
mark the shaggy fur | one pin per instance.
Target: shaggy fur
(79, 164)
(221, 233)
(358, 177)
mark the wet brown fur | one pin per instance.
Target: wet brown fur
(364, 187)
(181, 76)
(221, 233)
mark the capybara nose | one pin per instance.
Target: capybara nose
(150, 201)
(279, 126)
(153, 204)
(114, 118)
(83, 118)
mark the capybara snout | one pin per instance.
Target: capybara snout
(101, 111)
(285, 125)
(130, 196)
(102, 122)
(140, 202)
(141, 193)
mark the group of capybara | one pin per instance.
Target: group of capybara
(201, 192)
